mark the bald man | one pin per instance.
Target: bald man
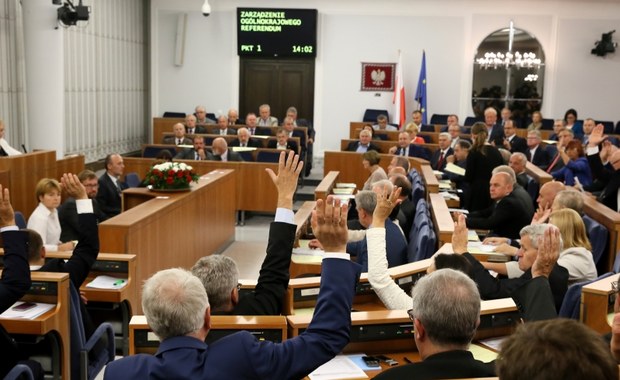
(506, 216)
(222, 153)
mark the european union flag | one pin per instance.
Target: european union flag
(420, 94)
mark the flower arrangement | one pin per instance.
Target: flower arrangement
(171, 175)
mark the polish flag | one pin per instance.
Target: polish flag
(399, 96)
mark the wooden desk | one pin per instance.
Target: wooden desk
(597, 301)
(611, 220)
(349, 164)
(48, 288)
(442, 220)
(327, 185)
(166, 230)
(164, 124)
(538, 174)
(390, 331)
(303, 292)
(111, 305)
(384, 146)
(263, 327)
(248, 175)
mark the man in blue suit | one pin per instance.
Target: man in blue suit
(177, 309)
(405, 148)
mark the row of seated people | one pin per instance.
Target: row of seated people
(328, 333)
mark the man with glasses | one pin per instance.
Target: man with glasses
(201, 116)
(67, 212)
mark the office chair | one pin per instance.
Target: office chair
(132, 179)
(572, 299)
(20, 220)
(174, 114)
(370, 115)
(21, 372)
(598, 235)
(267, 156)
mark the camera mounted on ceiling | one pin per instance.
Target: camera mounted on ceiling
(69, 14)
(605, 45)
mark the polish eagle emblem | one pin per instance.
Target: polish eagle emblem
(378, 77)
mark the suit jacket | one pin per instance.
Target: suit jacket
(353, 145)
(415, 151)
(557, 165)
(504, 218)
(198, 129)
(456, 364)
(435, 159)
(173, 141)
(525, 199)
(270, 122)
(534, 299)
(232, 157)
(242, 356)
(190, 154)
(541, 157)
(396, 247)
(16, 274)
(108, 196)
(517, 144)
(497, 135)
(216, 131)
(268, 296)
(405, 215)
(522, 179)
(493, 288)
(609, 195)
(290, 144)
(69, 221)
(252, 143)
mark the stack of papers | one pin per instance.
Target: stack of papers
(243, 149)
(340, 367)
(343, 190)
(452, 168)
(107, 282)
(346, 184)
(30, 313)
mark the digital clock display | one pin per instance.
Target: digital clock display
(276, 32)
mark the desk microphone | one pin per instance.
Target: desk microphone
(24, 148)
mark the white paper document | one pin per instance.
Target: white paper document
(107, 282)
(340, 367)
(452, 168)
(243, 148)
(34, 310)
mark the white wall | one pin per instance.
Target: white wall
(351, 32)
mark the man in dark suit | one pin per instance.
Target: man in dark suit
(536, 153)
(609, 195)
(517, 162)
(183, 354)
(364, 144)
(197, 153)
(406, 208)
(179, 136)
(283, 142)
(190, 126)
(506, 216)
(251, 123)
(222, 127)
(67, 212)
(222, 153)
(405, 148)
(495, 130)
(512, 142)
(564, 136)
(219, 273)
(438, 159)
(443, 342)
(244, 140)
(110, 186)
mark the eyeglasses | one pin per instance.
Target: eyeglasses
(614, 286)
(238, 286)
(411, 316)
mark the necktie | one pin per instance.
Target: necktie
(252, 131)
(403, 152)
(197, 156)
(243, 145)
(191, 131)
(118, 186)
(555, 160)
(178, 141)
(440, 162)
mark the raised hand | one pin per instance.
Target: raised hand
(72, 185)
(548, 252)
(541, 215)
(459, 237)
(289, 168)
(329, 224)
(597, 136)
(7, 216)
(386, 202)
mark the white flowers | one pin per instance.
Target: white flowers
(175, 166)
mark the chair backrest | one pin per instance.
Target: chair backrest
(153, 151)
(247, 156)
(616, 267)
(547, 124)
(533, 187)
(20, 371)
(572, 299)
(132, 179)
(439, 119)
(608, 126)
(424, 243)
(20, 220)
(598, 235)
(371, 114)
(268, 156)
(427, 128)
(470, 120)
(174, 114)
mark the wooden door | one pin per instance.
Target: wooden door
(281, 83)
